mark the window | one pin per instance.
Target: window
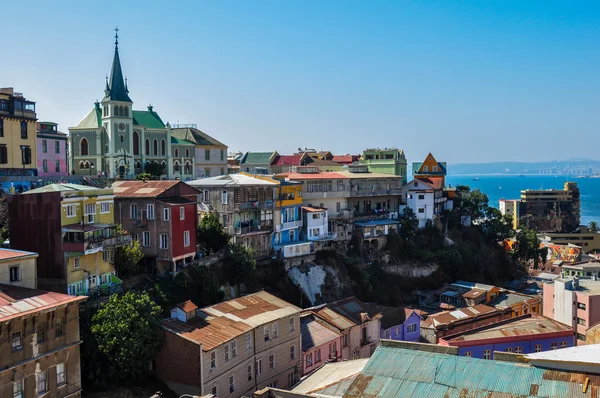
(164, 241)
(182, 213)
(233, 349)
(259, 367)
(77, 262)
(581, 306)
(176, 152)
(1, 127)
(553, 346)
(271, 361)
(136, 237)
(538, 348)
(155, 147)
(41, 332)
(248, 341)
(225, 220)
(226, 352)
(214, 391)
(509, 349)
(345, 339)
(486, 354)
(147, 147)
(274, 328)
(425, 169)
(292, 352)
(421, 197)
(18, 389)
(249, 370)
(318, 355)
(23, 129)
(150, 212)
(468, 354)
(61, 376)
(434, 168)
(57, 166)
(213, 360)
(563, 344)
(56, 146)
(134, 212)
(44, 146)
(3, 154)
(14, 274)
(17, 342)
(42, 382)
(104, 207)
(207, 154)
(186, 238)
(26, 154)
(231, 384)
(581, 321)
(207, 173)
(292, 324)
(291, 379)
(421, 210)
(106, 255)
(163, 147)
(166, 214)
(411, 328)
(519, 350)
(309, 361)
(580, 336)
(222, 155)
(224, 197)
(266, 333)
(206, 196)
(59, 327)
(146, 238)
(136, 143)
(83, 147)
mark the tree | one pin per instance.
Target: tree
(527, 247)
(128, 257)
(144, 176)
(240, 265)
(593, 226)
(496, 227)
(126, 331)
(211, 234)
(408, 223)
(472, 203)
(155, 169)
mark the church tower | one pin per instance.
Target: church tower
(117, 120)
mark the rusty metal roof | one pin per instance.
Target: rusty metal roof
(187, 306)
(6, 254)
(344, 314)
(400, 372)
(448, 317)
(315, 332)
(140, 189)
(16, 301)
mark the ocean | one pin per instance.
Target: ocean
(509, 187)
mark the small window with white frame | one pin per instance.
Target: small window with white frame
(146, 238)
(274, 330)
(164, 241)
(71, 211)
(182, 212)
(104, 207)
(292, 324)
(248, 341)
(18, 389)
(15, 274)
(61, 375)
(77, 262)
(42, 382)
(213, 360)
(186, 238)
(166, 214)
(487, 354)
(224, 197)
(17, 341)
(150, 211)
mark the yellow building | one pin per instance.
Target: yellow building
(18, 268)
(77, 257)
(18, 150)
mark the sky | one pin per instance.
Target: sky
(469, 81)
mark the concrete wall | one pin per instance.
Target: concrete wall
(27, 271)
(178, 364)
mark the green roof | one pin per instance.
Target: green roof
(177, 141)
(147, 119)
(93, 120)
(257, 158)
(194, 135)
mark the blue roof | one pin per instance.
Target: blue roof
(372, 223)
(400, 372)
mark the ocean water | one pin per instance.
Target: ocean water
(509, 187)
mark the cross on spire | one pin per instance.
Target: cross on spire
(116, 37)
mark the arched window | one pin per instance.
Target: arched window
(188, 168)
(116, 111)
(136, 143)
(155, 146)
(126, 109)
(176, 167)
(176, 152)
(163, 147)
(87, 165)
(187, 152)
(163, 166)
(147, 146)
(81, 165)
(83, 147)
(138, 165)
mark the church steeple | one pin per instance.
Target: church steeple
(117, 88)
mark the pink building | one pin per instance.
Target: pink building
(574, 302)
(51, 149)
(321, 343)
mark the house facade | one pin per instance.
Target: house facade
(231, 349)
(51, 150)
(72, 228)
(358, 323)
(163, 216)
(18, 149)
(426, 198)
(403, 324)
(321, 343)
(245, 205)
(210, 155)
(18, 268)
(386, 161)
(522, 335)
(39, 350)
(258, 162)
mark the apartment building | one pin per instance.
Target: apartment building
(386, 161)
(321, 343)
(232, 348)
(18, 150)
(574, 302)
(358, 323)
(51, 150)
(210, 155)
(551, 210)
(39, 348)
(18, 268)
(72, 227)
(162, 215)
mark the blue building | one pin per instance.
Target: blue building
(400, 324)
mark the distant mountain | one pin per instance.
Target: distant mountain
(571, 166)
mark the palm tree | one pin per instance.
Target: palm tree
(593, 226)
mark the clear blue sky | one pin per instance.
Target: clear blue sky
(470, 81)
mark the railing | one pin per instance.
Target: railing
(375, 192)
(255, 205)
(118, 240)
(263, 227)
(327, 236)
(300, 249)
(291, 224)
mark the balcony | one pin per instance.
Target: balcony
(375, 192)
(288, 225)
(93, 239)
(296, 249)
(268, 204)
(324, 237)
(249, 227)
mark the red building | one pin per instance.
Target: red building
(162, 215)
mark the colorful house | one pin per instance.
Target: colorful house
(72, 228)
(385, 161)
(321, 343)
(285, 163)
(51, 150)
(522, 335)
(209, 158)
(258, 162)
(402, 324)
(18, 149)
(430, 167)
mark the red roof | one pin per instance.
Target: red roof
(150, 189)
(187, 306)
(287, 160)
(6, 254)
(16, 301)
(434, 182)
(345, 159)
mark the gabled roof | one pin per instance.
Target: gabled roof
(61, 188)
(196, 136)
(93, 120)
(449, 317)
(7, 254)
(179, 141)
(315, 332)
(16, 301)
(393, 316)
(238, 179)
(346, 313)
(260, 158)
(288, 160)
(139, 189)
(345, 159)
(187, 306)
(147, 119)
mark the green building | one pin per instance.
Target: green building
(385, 161)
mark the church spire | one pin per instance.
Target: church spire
(117, 88)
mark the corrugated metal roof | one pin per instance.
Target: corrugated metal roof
(138, 189)
(346, 313)
(332, 378)
(315, 332)
(399, 372)
(237, 179)
(584, 354)
(16, 301)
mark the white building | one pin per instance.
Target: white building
(316, 224)
(425, 196)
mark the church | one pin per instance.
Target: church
(115, 140)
